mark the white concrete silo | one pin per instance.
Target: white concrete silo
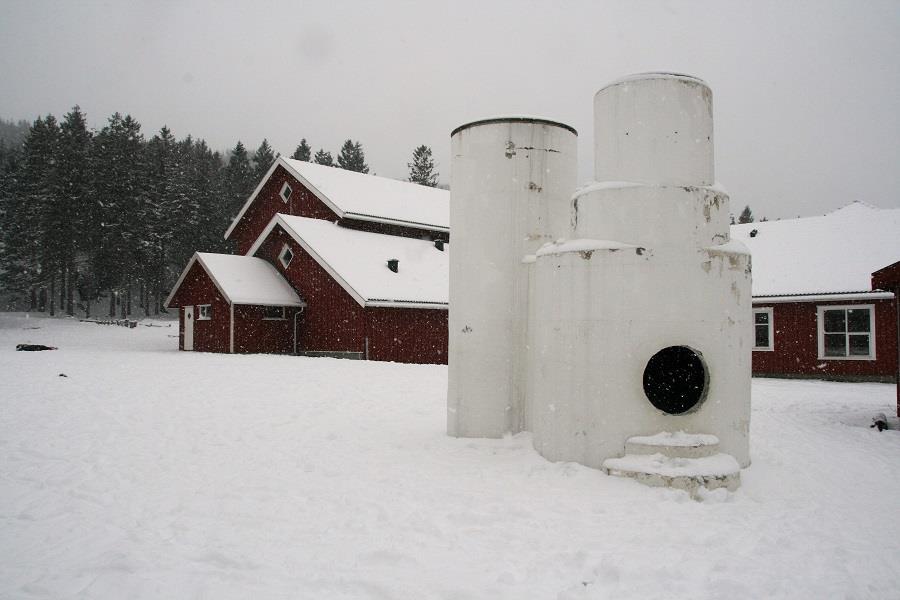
(641, 319)
(511, 183)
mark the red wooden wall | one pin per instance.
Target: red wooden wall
(796, 344)
(409, 335)
(254, 334)
(887, 278)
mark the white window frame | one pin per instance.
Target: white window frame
(204, 312)
(767, 310)
(286, 191)
(281, 318)
(820, 325)
(281, 256)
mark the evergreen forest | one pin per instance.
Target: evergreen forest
(103, 221)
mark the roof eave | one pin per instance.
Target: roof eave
(822, 296)
(406, 304)
(388, 221)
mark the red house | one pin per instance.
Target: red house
(819, 311)
(365, 260)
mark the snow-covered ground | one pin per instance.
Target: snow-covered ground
(149, 473)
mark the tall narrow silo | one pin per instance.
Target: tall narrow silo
(510, 185)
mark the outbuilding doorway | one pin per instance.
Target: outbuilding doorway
(188, 328)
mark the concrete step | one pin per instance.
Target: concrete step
(689, 474)
(674, 445)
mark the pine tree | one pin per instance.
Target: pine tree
(13, 278)
(239, 180)
(324, 158)
(746, 216)
(172, 206)
(421, 169)
(212, 221)
(352, 157)
(31, 254)
(262, 161)
(303, 151)
(74, 171)
(120, 185)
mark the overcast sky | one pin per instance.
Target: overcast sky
(806, 94)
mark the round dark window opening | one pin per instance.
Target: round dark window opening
(676, 379)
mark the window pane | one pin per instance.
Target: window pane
(835, 320)
(762, 336)
(859, 345)
(274, 312)
(835, 344)
(858, 319)
(762, 317)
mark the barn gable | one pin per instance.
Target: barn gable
(359, 262)
(359, 201)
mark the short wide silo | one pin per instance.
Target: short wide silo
(640, 335)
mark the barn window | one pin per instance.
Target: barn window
(847, 332)
(763, 338)
(272, 313)
(286, 191)
(286, 256)
(204, 312)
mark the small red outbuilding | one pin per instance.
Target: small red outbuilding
(230, 303)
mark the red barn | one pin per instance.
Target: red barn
(818, 310)
(365, 257)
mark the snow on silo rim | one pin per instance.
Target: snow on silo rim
(513, 119)
(653, 75)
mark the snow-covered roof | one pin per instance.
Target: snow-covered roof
(833, 253)
(243, 280)
(363, 197)
(357, 260)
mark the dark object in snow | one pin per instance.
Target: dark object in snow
(63, 375)
(879, 421)
(33, 347)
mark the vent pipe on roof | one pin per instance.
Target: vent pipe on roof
(393, 264)
(754, 232)
(439, 244)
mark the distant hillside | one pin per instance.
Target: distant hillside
(13, 133)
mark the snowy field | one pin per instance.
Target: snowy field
(149, 473)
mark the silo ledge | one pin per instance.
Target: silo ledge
(729, 247)
(584, 245)
(598, 186)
